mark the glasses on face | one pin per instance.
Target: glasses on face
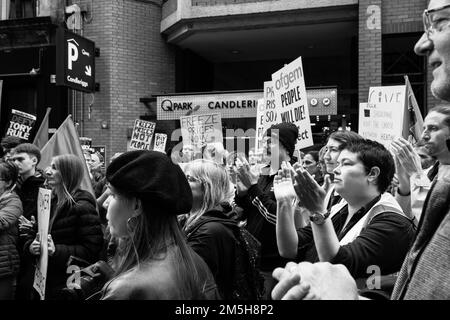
(434, 24)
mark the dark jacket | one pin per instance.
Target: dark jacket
(76, 231)
(425, 273)
(10, 211)
(215, 241)
(260, 208)
(28, 193)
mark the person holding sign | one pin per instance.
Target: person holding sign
(361, 229)
(74, 228)
(155, 262)
(10, 211)
(255, 195)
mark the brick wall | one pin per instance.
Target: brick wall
(369, 70)
(402, 16)
(222, 2)
(134, 62)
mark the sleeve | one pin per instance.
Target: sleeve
(383, 243)
(412, 203)
(10, 212)
(89, 237)
(305, 238)
(265, 203)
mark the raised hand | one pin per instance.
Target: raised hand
(283, 186)
(310, 193)
(244, 174)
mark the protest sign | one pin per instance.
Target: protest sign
(86, 143)
(291, 101)
(198, 130)
(40, 274)
(260, 113)
(160, 142)
(381, 119)
(413, 121)
(20, 124)
(142, 135)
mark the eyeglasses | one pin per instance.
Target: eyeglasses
(432, 24)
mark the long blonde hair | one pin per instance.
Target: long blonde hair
(215, 185)
(70, 168)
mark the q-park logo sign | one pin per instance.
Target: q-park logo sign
(75, 56)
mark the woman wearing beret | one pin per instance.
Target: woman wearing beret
(209, 230)
(74, 226)
(148, 192)
(10, 211)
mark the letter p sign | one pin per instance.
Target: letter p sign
(72, 54)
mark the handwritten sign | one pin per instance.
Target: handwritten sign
(40, 274)
(20, 124)
(291, 101)
(198, 130)
(142, 135)
(260, 129)
(381, 119)
(160, 142)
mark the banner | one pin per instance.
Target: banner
(40, 274)
(20, 124)
(198, 130)
(65, 141)
(413, 124)
(160, 142)
(41, 137)
(142, 135)
(291, 101)
(381, 119)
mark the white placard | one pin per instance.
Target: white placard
(381, 119)
(260, 125)
(40, 274)
(198, 130)
(141, 137)
(291, 101)
(160, 142)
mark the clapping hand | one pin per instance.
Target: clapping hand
(309, 192)
(283, 186)
(246, 176)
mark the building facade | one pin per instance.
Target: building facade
(154, 48)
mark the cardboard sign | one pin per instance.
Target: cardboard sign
(198, 130)
(381, 119)
(40, 274)
(160, 142)
(291, 101)
(142, 135)
(20, 124)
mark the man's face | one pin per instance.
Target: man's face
(24, 162)
(437, 47)
(434, 135)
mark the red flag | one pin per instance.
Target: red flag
(413, 123)
(65, 141)
(41, 137)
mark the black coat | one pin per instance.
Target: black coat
(76, 231)
(28, 193)
(216, 242)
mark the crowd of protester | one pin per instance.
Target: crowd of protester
(209, 224)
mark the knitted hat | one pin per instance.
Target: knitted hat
(287, 135)
(154, 177)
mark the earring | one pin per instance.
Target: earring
(131, 224)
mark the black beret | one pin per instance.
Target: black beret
(154, 177)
